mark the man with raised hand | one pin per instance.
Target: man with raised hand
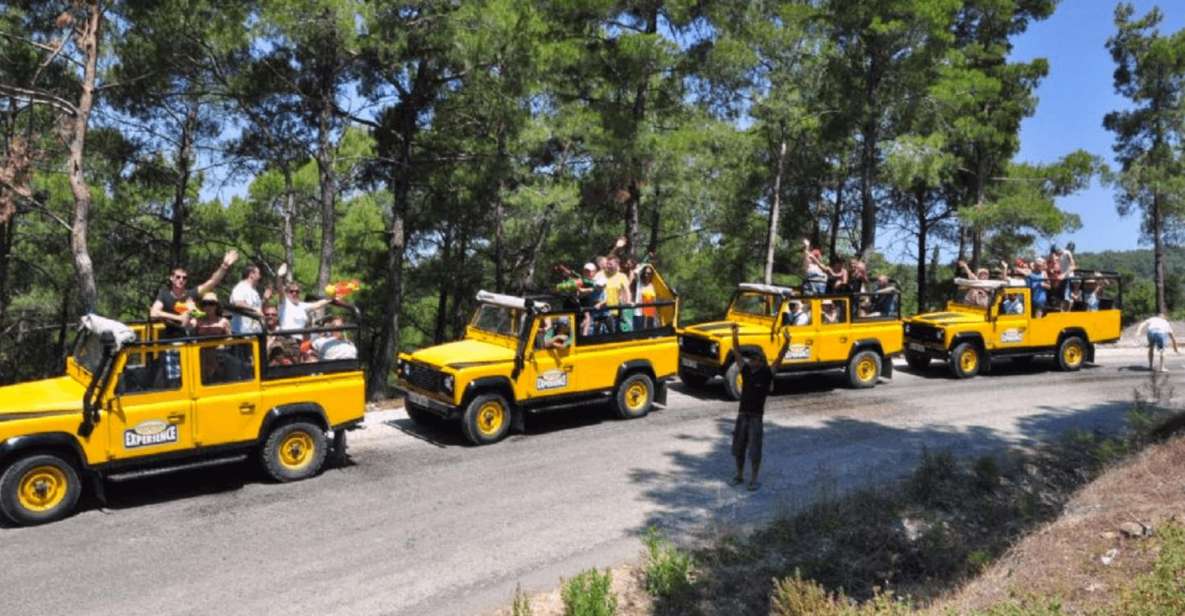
(757, 377)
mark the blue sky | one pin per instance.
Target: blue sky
(1073, 100)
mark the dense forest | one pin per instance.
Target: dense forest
(437, 147)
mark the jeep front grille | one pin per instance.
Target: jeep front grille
(693, 345)
(426, 378)
(923, 333)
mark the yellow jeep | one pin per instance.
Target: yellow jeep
(515, 359)
(992, 319)
(131, 405)
(859, 333)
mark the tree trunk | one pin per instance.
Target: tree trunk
(181, 188)
(976, 248)
(775, 209)
(533, 259)
(836, 215)
(962, 243)
(1158, 253)
(288, 234)
(923, 230)
(446, 281)
(633, 204)
(6, 235)
(867, 200)
(655, 221)
(328, 177)
(88, 41)
(500, 214)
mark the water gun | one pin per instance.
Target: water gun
(187, 308)
(343, 289)
(570, 285)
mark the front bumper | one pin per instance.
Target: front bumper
(420, 400)
(929, 348)
(696, 364)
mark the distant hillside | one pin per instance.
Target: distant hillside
(1137, 269)
(1135, 262)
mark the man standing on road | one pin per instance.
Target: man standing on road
(1158, 329)
(757, 377)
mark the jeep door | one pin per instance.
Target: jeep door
(226, 392)
(550, 371)
(803, 334)
(1011, 331)
(834, 339)
(150, 410)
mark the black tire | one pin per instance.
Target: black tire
(965, 360)
(732, 382)
(635, 396)
(864, 369)
(487, 419)
(693, 380)
(54, 483)
(422, 417)
(1071, 353)
(294, 451)
(917, 361)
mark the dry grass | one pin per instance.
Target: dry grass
(1065, 559)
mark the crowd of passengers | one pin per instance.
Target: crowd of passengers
(1055, 284)
(615, 291)
(878, 295)
(197, 311)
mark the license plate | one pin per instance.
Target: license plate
(913, 346)
(419, 399)
(688, 363)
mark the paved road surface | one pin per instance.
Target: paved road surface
(422, 524)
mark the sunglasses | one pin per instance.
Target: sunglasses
(180, 277)
(294, 290)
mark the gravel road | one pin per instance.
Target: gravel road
(419, 523)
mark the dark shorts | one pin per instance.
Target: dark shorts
(747, 434)
(1157, 340)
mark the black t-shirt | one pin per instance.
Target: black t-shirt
(756, 380)
(169, 301)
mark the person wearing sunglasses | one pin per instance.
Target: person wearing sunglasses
(294, 313)
(175, 301)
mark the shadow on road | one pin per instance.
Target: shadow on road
(1000, 367)
(785, 385)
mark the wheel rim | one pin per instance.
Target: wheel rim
(296, 451)
(866, 370)
(636, 395)
(490, 418)
(968, 360)
(738, 383)
(1072, 354)
(42, 488)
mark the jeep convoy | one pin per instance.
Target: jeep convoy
(991, 319)
(136, 404)
(147, 405)
(858, 333)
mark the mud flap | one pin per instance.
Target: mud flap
(887, 367)
(660, 393)
(1090, 353)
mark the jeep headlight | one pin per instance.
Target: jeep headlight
(907, 329)
(447, 383)
(405, 369)
(714, 349)
(938, 335)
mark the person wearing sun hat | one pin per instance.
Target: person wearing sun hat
(212, 323)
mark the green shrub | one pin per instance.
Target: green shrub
(589, 594)
(668, 569)
(931, 481)
(795, 596)
(987, 474)
(521, 605)
(1160, 592)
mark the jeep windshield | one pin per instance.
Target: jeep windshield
(755, 304)
(498, 320)
(88, 351)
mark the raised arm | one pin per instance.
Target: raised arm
(737, 356)
(228, 260)
(967, 270)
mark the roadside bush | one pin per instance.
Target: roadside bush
(795, 596)
(668, 569)
(932, 482)
(589, 594)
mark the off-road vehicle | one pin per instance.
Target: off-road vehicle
(523, 355)
(993, 319)
(858, 333)
(141, 405)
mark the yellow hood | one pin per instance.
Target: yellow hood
(59, 394)
(463, 353)
(948, 318)
(723, 329)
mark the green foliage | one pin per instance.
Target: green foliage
(668, 568)
(1160, 592)
(589, 594)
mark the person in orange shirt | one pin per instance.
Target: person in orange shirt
(647, 315)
